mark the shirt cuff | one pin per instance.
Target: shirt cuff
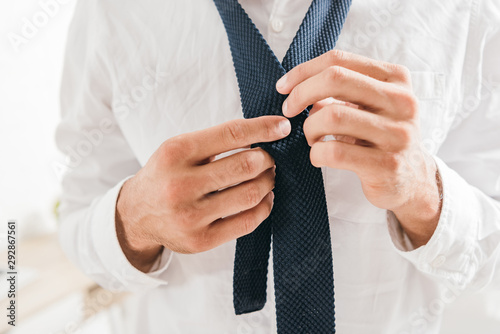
(449, 254)
(110, 253)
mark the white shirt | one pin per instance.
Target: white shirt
(138, 73)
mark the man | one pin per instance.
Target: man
(156, 196)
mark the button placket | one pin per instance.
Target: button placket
(270, 30)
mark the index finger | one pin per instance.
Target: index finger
(375, 69)
(238, 133)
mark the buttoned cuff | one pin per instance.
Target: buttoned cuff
(449, 254)
(126, 276)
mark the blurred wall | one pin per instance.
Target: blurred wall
(32, 40)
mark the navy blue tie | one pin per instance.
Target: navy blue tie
(298, 224)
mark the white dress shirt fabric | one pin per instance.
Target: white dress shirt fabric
(140, 72)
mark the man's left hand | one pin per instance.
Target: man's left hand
(370, 109)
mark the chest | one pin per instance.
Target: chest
(179, 76)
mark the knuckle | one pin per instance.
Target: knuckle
(404, 73)
(404, 134)
(252, 194)
(174, 149)
(392, 162)
(233, 132)
(300, 71)
(334, 56)
(335, 73)
(334, 117)
(249, 223)
(399, 72)
(267, 210)
(266, 157)
(411, 106)
(215, 179)
(248, 163)
(407, 102)
(180, 187)
(271, 180)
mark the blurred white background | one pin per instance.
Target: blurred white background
(32, 39)
(30, 72)
(29, 111)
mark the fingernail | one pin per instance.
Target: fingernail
(281, 82)
(285, 127)
(284, 107)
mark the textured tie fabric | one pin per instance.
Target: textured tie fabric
(298, 224)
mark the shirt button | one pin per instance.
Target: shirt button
(439, 261)
(277, 25)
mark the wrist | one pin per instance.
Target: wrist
(420, 215)
(140, 249)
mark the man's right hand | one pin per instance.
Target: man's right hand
(184, 200)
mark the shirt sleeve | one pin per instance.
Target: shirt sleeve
(99, 160)
(465, 248)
